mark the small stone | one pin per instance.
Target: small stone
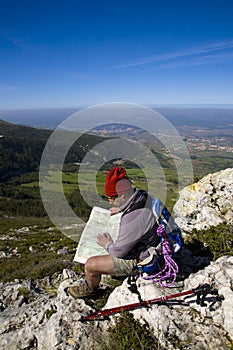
(63, 251)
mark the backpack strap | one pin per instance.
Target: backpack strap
(163, 217)
(142, 203)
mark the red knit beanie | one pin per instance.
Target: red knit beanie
(117, 182)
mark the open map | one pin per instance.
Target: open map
(100, 221)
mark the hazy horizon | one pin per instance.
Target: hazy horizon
(176, 114)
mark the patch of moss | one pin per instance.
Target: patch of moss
(224, 211)
(49, 313)
(25, 292)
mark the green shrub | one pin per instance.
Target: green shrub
(219, 239)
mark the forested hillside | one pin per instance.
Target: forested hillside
(21, 149)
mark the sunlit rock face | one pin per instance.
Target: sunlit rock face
(206, 203)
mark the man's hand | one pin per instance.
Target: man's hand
(103, 239)
(114, 210)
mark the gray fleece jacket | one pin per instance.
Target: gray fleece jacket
(137, 228)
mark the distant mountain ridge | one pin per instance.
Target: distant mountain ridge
(21, 148)
(18, 131)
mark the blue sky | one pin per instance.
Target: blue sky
(59, 54)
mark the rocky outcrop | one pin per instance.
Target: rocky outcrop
(32, 318)
(206, 203)
(187, 325)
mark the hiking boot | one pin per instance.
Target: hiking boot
(81, 290)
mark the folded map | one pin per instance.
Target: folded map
(100, 221)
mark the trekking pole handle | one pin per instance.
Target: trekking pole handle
(201, 292)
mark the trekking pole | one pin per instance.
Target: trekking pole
(200, 291)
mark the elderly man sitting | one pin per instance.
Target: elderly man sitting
(137, 234)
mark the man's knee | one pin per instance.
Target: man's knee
(99, 264)
(90, 265)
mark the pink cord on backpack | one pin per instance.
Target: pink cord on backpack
(170, 268)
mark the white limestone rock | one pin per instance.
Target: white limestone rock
(206, 203)
(46, 322)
